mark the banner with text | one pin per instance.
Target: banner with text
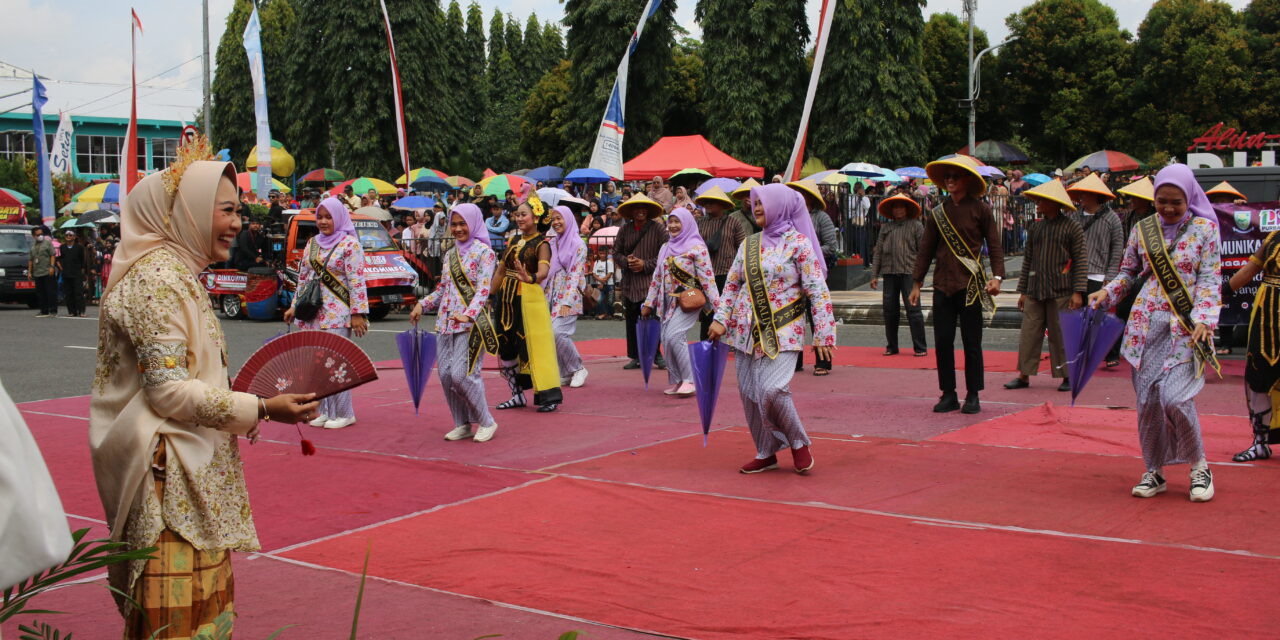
(1242, 228)
(607, 153)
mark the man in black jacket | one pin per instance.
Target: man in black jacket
(250, 245)
(71, 262)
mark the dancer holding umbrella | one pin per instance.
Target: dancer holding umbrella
(565, 280)
(1169, 336)
(682, 285)
(463, 323)
(775, 272)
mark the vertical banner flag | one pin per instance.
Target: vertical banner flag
(253, 47)
(607, 154)
(38, 98)
(129, 161)
(401, 133)
(820, 51)
(60, 154)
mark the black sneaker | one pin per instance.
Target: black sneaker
(1017, 383)
(1065, 386)
(632, 364)
(1151, 484)
(1201, 485)
(948, 402)
(971, 404)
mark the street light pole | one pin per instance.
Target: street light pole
(975, 84)
(208, 115)
(971, 7)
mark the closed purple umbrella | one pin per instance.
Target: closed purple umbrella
(708, 359)
(1087, 336)
(648, 333)
(417, 354)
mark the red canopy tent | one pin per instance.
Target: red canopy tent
(673, 153)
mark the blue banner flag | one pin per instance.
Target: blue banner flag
(38, 99)
(607, 154)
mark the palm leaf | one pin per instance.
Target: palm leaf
(85, 556)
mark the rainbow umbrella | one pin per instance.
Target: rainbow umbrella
(1106, 160)
(362, 186)
(499, 184)
(248, 182)
(322, 175)
(101, 192)
(20, 197)
(458, 182)
(414, 174)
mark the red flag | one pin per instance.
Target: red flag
(401, 131)
(129, 164)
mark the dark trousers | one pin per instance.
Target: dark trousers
(949, 311)
(709, 316)
(47, 293)
(1094, 285)
(897, 288)
(631, 315)
(73, 293)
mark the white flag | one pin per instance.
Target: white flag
(607, 154)
(253, 47)
(60, 154)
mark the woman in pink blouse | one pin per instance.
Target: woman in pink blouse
(760, 317)
(683, 264)
(344, 311)
(459, 303)
(1167, 374)
(565, 280)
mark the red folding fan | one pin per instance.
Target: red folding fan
(316, 362)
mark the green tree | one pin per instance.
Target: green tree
(1193, 69)
(946, 59)
(498, 142)
(544, 121)
(1065, 76)
(232, 89)
(307, 130)
(535, 62)
(553, 42)
(755, 70)
(1262, 20)
(513, 39)
(871, 105)
(472, 86)
(597, 33)
(686, 113)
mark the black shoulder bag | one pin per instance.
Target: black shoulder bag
(310, 298)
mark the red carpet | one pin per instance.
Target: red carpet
(1070, 492)
(1102, 431)
(705, 567)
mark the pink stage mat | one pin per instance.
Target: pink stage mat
(709, 567)
(271, 594)
(1087, 430)
(1076, 493)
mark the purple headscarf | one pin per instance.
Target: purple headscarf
(564, 247)
(784, 209)
(1180, 176)
(342, 225)
(475, 225)
(685, 241)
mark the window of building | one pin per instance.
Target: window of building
(98, 154)
(163, 152)
(20, 143)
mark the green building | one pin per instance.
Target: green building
(96, 146)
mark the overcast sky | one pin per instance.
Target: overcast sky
(84, 48)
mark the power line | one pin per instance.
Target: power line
(114, 93)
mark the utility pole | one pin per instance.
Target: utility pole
(208, 110)
(970, 8)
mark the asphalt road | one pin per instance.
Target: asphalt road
(43, 358)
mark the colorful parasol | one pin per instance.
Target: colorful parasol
(459, 182)
(322, 175)
(1087, 336)
(648, 333)
(912, 172)
(604, 237)
(282, 163)
(418, 355)
(708, 359)
(362, 186)
(988, 171)
(414, 202)
(1036, 179)
(488, 173)
(689, 176)
(248, 182)
(499, 184)
(727, 185)
(101, 192)
(861, 170)
(1106, 160)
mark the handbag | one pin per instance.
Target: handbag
(310, 298)
(691, 300)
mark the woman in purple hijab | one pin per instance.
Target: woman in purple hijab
(565, 280)
(345, 305)
(683, 267)
(1159, 340)
(458, 304)
(776, 274)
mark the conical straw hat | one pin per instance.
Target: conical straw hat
(967, 163)
(715, 194)
(639, 200)
(1092, 184)
(742, 192)
(1225, 188)
(1053, 191)
(810, 190)
(1143, 189)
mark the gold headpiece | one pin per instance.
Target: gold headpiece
(190, 149)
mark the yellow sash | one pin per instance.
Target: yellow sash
(1175, 290)
(764, 330)
(483, 335)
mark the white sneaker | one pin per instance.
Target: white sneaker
(459, 432)
(579, 378)
(1201, 485)
(485, 434)
(319, 422)
(340, 423)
